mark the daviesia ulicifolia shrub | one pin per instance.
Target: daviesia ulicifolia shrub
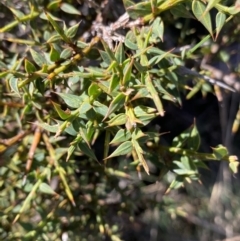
(64, 97)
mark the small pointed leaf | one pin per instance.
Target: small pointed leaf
(87, 151)
(127, 72)
(66, 53)
(29, 67)
(50, 128)
(210, 5)
(234, 166)
(13, 82)
(71, 32)
(123, 149)
(119, 54)
(155, 96)
(45, 188)
(198, 9)
(38, 58)
(116, 104)
(121, 136)
(64, 115)
(118, 120)
(181, 11)
(73, 101)
(220, 152)
(220, 20)
(158, 28)
(54, 54)
(68, 8)
(59, 29)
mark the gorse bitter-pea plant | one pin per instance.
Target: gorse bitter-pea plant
(62, 96)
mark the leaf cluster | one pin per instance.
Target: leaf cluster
(67, 96)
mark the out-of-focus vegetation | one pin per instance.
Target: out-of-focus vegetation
(109, 123)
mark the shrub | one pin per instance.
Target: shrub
(77, 112)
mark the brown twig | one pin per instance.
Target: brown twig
(36, 140)
(13, 140)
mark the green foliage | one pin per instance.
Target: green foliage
(66, 96)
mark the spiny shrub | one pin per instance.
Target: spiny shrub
(76, 113)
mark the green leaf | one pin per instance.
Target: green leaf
(117, 120)
(139, 152)
(29, 67)
(158, 28)
(137, 134)
(156, 59)
(220, 20)
(123, 149)
(184, 172)
(116, 104)
(17, 13)
(105, 57)
(145, 114)
(13, 82)
(50, 128)
(181, 11)
(189, 139)
(38, 58)
(166, 95)
(130, 44)
(54, 38)
(198, 9)
(197, 87)
(114, 82)
(128, 3)
(84, 136)
(68, 8)
(176, 183)
(234, 166)
(59, 29)
(45, 188)
(154, 94)
(127, 72)
(77, 123)
(43, 15)
(100, 108)
(94, 90)
(146, 119)
(139, 67)
(86, 150)
(81, 44)
(66, 53)
(210, 5)
(67, 126)
(62, 114)
(137, 10)
(73, 101)
(121, 136)
(54, 54)
(70, 151)
(85, 106)
(187, 167)
(54, 5)
(96, 72)
(220, 152)
(119, 54)
(109, 51)
(71, 32)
